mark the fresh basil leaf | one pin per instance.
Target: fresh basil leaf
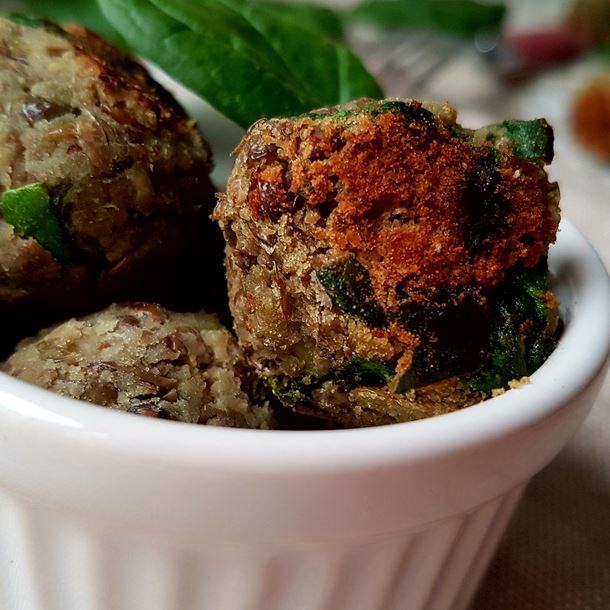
(328, 72)
(246, 60)
(211, 50)
(311, 16)
(456, 17)
(83, 12)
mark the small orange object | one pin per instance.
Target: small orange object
(591, 116)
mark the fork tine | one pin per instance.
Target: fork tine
(406, 61)
(387, 51)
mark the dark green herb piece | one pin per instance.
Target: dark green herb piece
(360, 370)
(532, 304)
(407, 381)
(527, 289)
(508, 350)
(421, 371)
(525, 332)
(349, 286)
(340, 114)
(411, 111)
(463, 133)
(245, 59)
(531, 140)
(29, 210)
(508, 357)
(355, 371)
(457, 17)
(84, 12)
(291, 392)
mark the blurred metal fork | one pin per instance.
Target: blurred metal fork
(405, 62)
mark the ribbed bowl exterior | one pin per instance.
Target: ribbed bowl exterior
(51, 561)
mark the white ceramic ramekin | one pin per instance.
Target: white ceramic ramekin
(102, 510)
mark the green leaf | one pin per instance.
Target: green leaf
(456, 17)
(227, 63)
(313, 17)
(245, 59)
(84, 12)
(326, 72)
(29, 210)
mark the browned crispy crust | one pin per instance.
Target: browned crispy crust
(129, 93)
(392, 196)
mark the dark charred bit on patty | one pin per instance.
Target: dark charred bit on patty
(104, 180)
(385, 263)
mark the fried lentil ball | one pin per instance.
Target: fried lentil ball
(143, 359)
(368, 251)
(125, 174)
